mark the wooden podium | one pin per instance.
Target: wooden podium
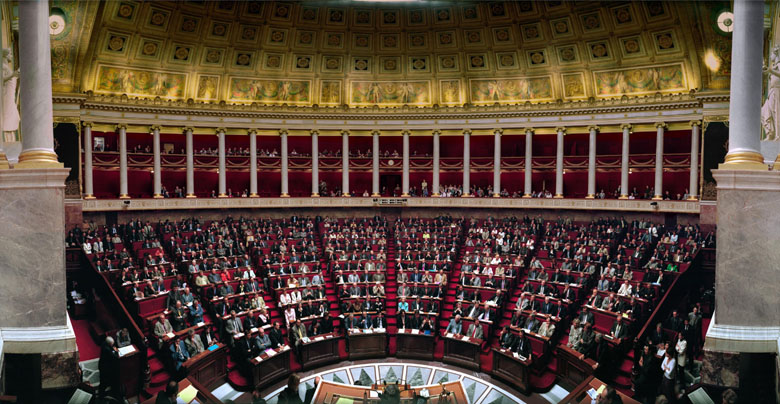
(462, 351)
(267, 369)
(367, 344)
(320, 350)
(413, 345)
(512, 369)
(580, 393)
(330, 392)
(208, 368)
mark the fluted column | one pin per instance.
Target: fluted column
(405, 165)
(345, 163)
(315, 164)
(36, 97)
(592, 161)
(88, 185)
(122, 130)
(190, 150)
(285, 166)
(745, 92)
(222, 164)
(624, 162)
(659, 161)
(693, 188)
(375, 163)
(559, 163)
(466, 162)
(497, 162)
(3, 158)
(528, 169)
(252, 163)
(436, 163)
(157, 174)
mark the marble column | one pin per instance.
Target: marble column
(88, 184)
(693, 187)
(345, 163)
(315, 164)
(559, 163)
(592, 161)
(285, 166)
(122, 130)
(3, 158)
(157, 175)
(528, 169)
(497, 162)
(659, 161)
(466, 162)
(37, 114)
(405, 165)
(222, 192)
(375, 163)
(252, 163)
(190, 150)
(745, 92)
(624, 162)
(436, 163)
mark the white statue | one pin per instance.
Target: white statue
(10, 109)
(770, 111)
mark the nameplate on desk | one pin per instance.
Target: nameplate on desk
(201, 324)
(258, 358)
(318, 338)
(464, 338)
(379, 330)
(415, 332)
(449, 335)
(213, 347)
(329, 336)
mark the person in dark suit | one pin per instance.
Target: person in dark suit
(108, 364)
(522, 345)
(506, 339)
(290, 394)
(326, 323)
(586, 316)
(179, 317)
(365, 321)
(275, 335)
(168, 396)
(619, 330)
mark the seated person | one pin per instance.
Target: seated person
(193, 343)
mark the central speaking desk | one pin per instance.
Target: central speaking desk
(208, 367)
(191, 391)
(580, 393)
(367, 344)
(513, 369)
(332, 393)
(271, 365)
(414, 344)
(462, 351)
(320, 350)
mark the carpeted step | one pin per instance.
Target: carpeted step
(155, 366)
(159, 379)
(543, 382)
(238, 381)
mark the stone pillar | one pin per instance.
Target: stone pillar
(252, 163)
(3, 158)
(36, 97)
(190, 163)
(559, 163)
(497, 162)
(436, 163)
(624, 161)
(693, 187)
(315, 164)
(88, 185)
(285, 166)
(405, 165)
(375, 163)
(466, 162)
(345, 163)
(222, 192)
(659, 161)
(745, 93)
(122, 130)
(592, 162)
(157, 175)
(528, 169)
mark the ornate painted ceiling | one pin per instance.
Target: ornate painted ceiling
(388, 54)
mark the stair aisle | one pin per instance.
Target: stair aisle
(391, 287)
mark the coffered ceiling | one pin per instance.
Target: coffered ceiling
(366, 54)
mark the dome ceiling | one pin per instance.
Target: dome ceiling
(392, 54)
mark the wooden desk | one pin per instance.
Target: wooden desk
(514, 370)
(414, 346)
(320, 350)
(463, 353)
(573, 367)
(580, 393)
(203, 396)
(130, 371)
(267, 369)
(367, 345)
(330, 392)
(209, 368)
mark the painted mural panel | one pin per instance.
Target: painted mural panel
(640, 80)
(390, 93)
(520, 89)
(140, 83)
(270, 91)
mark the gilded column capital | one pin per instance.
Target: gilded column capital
(593, 128)
(314, 132)
(467, 131)
(220, 131)
(155, 128)
(406, 133)
(560, 129)
(376, 133)
(499, 131)
(344, 132)
(120, 127)
(188, 129)
(251, 131)
(436, 132)
(660, 125)
(282, 132)
(695, 123)
(625, 126)
(87, 124)
(529, 130)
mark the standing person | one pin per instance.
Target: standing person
(108, 364)
(669, 366)
(290, 394)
